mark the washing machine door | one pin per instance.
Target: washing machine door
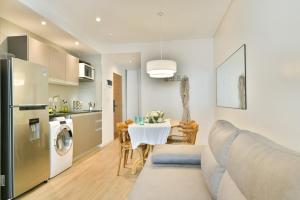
(64, 140)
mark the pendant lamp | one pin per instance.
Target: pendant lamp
(161, 68)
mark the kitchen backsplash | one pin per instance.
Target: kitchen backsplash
(83, 93)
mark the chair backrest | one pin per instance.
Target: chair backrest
(184, 124)
(191, 129)
(129, 121)
(122, 129)
(195, 128)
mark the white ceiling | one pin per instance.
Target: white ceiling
(125, 60)
(17, 13)
(132, 21)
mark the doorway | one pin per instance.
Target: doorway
(117, 101)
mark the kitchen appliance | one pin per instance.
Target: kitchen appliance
(25, 126)
(86, 72)
(61, 145)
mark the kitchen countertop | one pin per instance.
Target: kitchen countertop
(62, 114)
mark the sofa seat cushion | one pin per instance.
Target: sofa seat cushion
(176, 154)
(170, 182)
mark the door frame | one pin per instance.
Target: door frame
(115, 76)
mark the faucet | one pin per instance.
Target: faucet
(91, 106)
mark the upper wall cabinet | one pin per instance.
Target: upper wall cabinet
(62, 67)
(57, 69)
(72, 69)
(27, 48)
(38, 52)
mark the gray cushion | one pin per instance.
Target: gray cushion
(264, 170)
(221, 137)
(170, 182)
(212, 171)
(176, 154)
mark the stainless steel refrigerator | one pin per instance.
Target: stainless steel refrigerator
(24, 126)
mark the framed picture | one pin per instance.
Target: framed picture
(231, 81)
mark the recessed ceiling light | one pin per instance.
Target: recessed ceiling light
(110, 34)
(77, 43)
(98, 19)
(44, 23)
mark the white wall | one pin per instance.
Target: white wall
(271, 32)
(108, 68)
(132, 93)
(194, 59)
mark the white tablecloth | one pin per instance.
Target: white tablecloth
(149, 133)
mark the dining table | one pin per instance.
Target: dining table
(144, 136)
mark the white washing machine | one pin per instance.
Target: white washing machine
(61, 145)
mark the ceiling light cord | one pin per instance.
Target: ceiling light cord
(160, 14)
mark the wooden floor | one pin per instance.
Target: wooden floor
(91, 177)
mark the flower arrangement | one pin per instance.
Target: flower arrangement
(154, 117)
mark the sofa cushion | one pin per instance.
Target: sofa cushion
(212, 171)
(264, 170)
(228, 189)
(221, 137)
(170, 182)
(176, 154)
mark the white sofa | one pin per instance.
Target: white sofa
(236, 165)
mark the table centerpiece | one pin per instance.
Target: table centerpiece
(154, 117)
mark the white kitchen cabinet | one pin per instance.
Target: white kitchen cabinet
(57, 67)
(72, 69)
(38, 52)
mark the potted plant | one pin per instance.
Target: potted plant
(154, 117)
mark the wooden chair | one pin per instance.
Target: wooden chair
(195, 129)
(184, 124)
(125, 144)
(188, 133)
(129, 121)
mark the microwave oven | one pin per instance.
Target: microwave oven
(86, 72)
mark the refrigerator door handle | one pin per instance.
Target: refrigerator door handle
(31, 107)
